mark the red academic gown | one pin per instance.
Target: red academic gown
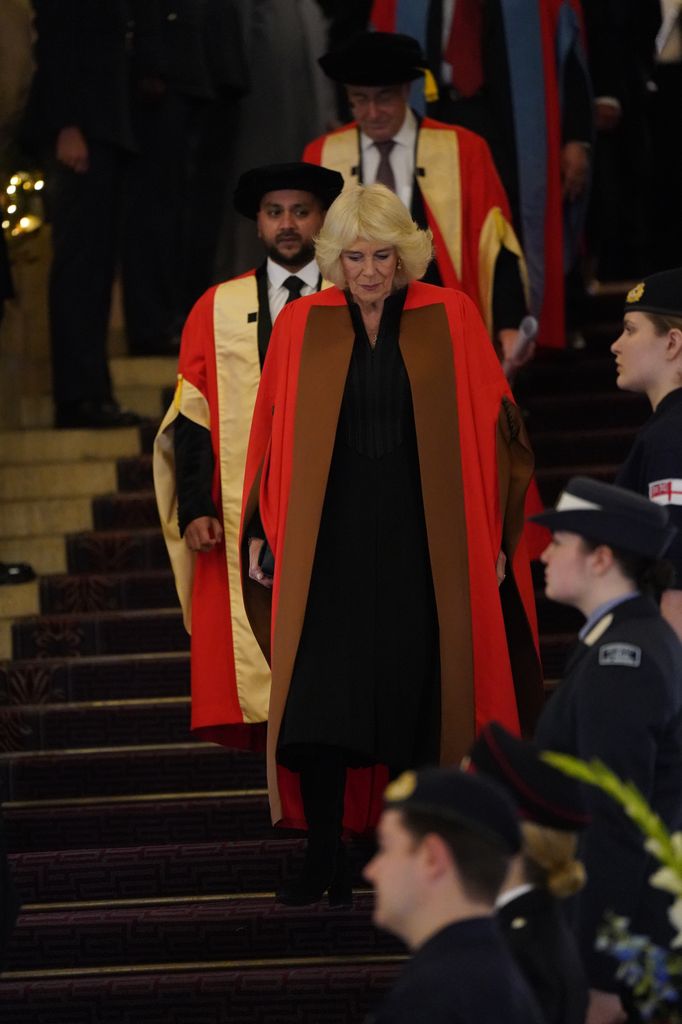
(475, 464)
(218, 377)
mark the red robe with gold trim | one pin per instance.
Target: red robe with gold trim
(218, 377)
(475, 464)
(465, 203)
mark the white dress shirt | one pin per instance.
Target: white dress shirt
(401, 158)
(277, 275)
(507, 896)
(669, 38)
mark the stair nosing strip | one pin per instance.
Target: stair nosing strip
(154, 901)
(207, 965)
(85, 801)
(24, 755)
(66, 706)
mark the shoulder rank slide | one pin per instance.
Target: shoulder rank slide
(626, 655)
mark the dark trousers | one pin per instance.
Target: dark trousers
(84, 212)
(152, 243)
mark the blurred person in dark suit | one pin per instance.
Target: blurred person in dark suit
(620, 47)
(92, 59)
(665, 99)
(165, 223)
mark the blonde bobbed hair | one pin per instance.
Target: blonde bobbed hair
(375, 214)
(550, 861)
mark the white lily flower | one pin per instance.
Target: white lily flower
(668, 880)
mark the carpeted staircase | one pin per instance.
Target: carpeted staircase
(145, 860)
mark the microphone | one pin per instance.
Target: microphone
(528, 329)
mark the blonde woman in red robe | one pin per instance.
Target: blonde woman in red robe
(386, 473)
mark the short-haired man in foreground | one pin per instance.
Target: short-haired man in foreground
(445, 842)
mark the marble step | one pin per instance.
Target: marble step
(57, 480)
(28, 447)
(45, 517)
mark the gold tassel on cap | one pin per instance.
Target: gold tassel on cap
(430, 87)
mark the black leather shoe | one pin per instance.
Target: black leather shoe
(15, 572)
(94, 415)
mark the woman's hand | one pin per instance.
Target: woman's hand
(255, 571)
(203, 534)
(501, 567)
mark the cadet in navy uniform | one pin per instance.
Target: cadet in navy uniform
(553, 810)
(445, 842)
(649, 360)
(620, 701)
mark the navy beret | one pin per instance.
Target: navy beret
(458, 798)
(660, 293)
(543, 794)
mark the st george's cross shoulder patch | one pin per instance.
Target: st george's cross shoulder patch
(625, 655)
(666, 492)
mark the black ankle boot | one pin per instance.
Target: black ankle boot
(317, 874)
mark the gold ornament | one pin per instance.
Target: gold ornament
(401, 788)
(635, 294)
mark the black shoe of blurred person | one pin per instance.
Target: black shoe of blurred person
(15, 572)
(93, 415)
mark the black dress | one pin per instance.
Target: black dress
(366, 677)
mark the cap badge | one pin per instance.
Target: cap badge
(402, 787)
(635, 294)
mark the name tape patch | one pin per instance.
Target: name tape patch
(627, 655)
(666, 492)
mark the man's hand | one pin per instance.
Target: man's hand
(508, 338)
(575, 165)
(255, 571)
(203, 534)
(607, 116)
(501, 567)
(604, 1008)
(72, 149)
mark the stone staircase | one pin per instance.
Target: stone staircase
(145, 859)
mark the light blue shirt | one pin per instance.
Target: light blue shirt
(603, 610)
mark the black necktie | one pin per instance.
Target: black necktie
(293, 285)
